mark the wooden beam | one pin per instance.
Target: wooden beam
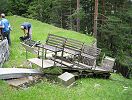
(7, 73)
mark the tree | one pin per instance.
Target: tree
(117, 33)
(19, 7)
(41, 10)
(3, 6)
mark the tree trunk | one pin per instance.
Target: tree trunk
(78, 20)
(95, 19)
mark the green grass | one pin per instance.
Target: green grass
(40, 31)
(85, 88)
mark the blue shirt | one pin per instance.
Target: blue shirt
(0, 23)
(26, 25)
(6, 25)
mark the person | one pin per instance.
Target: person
(1, 37)
(27, 29)
(6, 28)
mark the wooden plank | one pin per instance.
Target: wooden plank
(88, 56)
(56, 36)
(84, 66)
(46, 63)
(18, 70)
(52, 48)
(99, 69)
(73, 46)
(7, 73)
(55, 41)
(64, 62)
(73, 52)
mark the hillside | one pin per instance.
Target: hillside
(40, 31)
(115, 88)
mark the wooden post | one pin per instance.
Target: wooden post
(78, 20)
(95, 19)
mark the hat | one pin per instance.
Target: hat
(2, 15)
(22, 27)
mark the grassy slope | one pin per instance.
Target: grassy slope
(86, 89)
(40, 32)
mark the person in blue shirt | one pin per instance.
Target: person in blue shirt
(1, 37)
(27, 29)
(5, 26)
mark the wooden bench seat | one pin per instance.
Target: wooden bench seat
(73, 47)
(73, 52)
(50, 48)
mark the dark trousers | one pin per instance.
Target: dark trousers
(7, 35)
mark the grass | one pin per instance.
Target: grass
(115, 88)
(85, 89)
(40, 31)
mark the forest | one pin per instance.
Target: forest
(114, 28)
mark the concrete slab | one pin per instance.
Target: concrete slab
(18, 82)
(23, 82)
(67, 79)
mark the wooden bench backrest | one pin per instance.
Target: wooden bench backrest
(56, 41)
(90, 50)
(73, 44)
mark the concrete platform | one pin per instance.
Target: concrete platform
(23, 82)
(17, 82)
